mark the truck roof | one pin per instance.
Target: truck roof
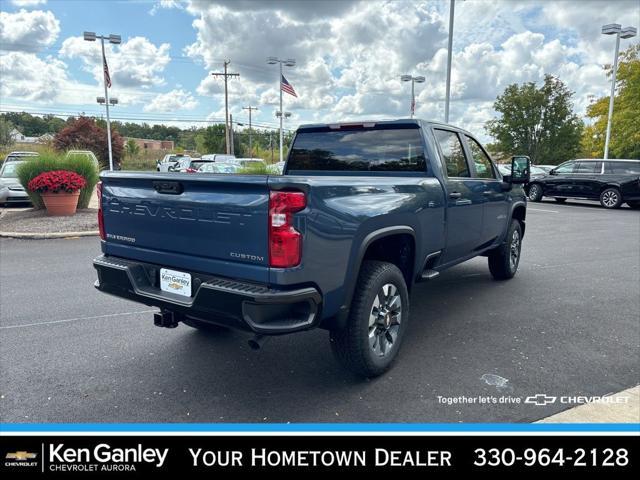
(400, 121)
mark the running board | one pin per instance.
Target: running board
(429, 274)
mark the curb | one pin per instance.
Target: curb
(49, 235)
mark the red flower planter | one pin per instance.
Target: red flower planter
(59, 189)
(61, 204)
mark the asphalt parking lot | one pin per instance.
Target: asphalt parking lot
(567, 324)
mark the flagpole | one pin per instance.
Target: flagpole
(281, 111)
(106, 104)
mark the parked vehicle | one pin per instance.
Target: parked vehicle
(169, 161)
(362, 212)
(84, 154)
(546, 168)
(190, 165)
(611, 182)
(16, 156)
(215, 167)
(11, 190)
(219, 157)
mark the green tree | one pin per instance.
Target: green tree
(625, 123)
(131, 148)
(211, 139)
(5, 132)
(538, 122)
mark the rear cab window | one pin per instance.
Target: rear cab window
(453, 157)
(378, 149)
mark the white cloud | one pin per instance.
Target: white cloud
(135, 63)
(27, 77)
(28, 3)
(172, 101)
(166, 5)
(28, 31)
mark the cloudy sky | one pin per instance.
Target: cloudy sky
(350, 55)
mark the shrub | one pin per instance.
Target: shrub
(57, 181)
(50, 161)
(256, 168)
(84, 134)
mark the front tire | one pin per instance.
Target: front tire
(611, 198)
(535, 193)
(504, 260)
(369, 342)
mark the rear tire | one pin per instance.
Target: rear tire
(369, 342)
(504, 260)
(634, 205)
(204, 326)
(561, 200)
(611, 198)
(535, 193)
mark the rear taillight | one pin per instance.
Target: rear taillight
(100, 215)
(285, 242)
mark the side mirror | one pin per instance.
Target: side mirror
(520, 169)
(552, 171)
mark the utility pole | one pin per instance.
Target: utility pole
(226, 75)
(231, 140)
(250, 108)
(271, 143)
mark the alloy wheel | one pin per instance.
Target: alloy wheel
(385, 319)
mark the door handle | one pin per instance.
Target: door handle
(455, 195)
(486, 193)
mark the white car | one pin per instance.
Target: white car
(169, 162)
(276, 168)
(11, 190)
(219, 157)
(218, 167)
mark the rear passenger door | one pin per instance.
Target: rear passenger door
(463, 226)
(587, 179)
(494, 198)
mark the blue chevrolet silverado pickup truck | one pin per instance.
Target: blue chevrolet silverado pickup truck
(362, 212)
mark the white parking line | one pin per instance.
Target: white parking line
(541, 210)
(66, 320)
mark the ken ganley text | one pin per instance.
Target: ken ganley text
(262, 457)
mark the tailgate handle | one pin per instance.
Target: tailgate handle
(171, 188)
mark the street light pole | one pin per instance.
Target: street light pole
(449, 55)
(617, 30)
(289, 63)
(114, 39)
(106, 105)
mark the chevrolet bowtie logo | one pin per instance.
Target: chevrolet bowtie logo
(21, 455)
(540, 399)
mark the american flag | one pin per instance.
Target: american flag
(107, 77)
(286, 87)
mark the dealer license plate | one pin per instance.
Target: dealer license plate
(176, 282)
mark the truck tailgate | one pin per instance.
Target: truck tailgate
(200, 222)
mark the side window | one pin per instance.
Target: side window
(586, 167)
(484, 168)
(566, 167)
(453, 157)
